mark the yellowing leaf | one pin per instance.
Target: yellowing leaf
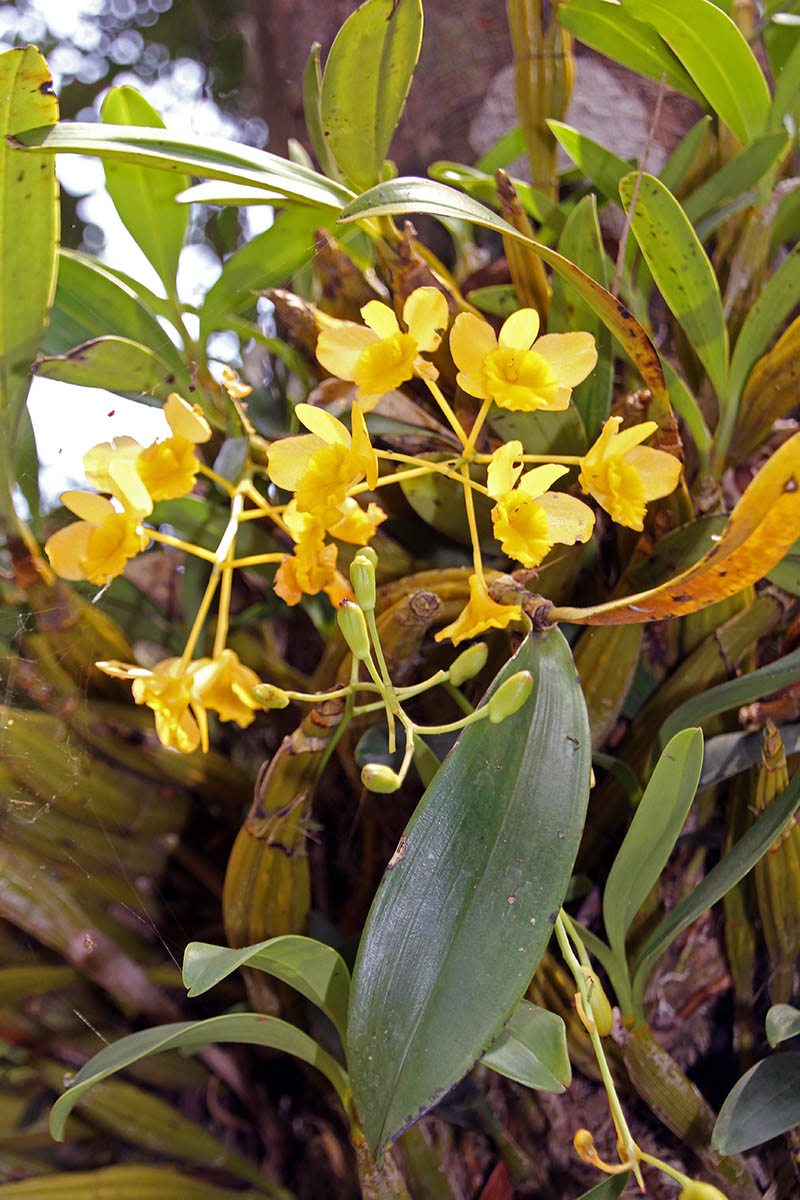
(762, 527)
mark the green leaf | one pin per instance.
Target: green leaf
(716, 55)
(732, 694)
(540, 432)
(217, 192)
(500, 300)
(774, 304)
(763, 1104)
(462, 918)
(687, 408)
(249, 1028)
(508, 147)
(673, 173)
(783, 1022)
(268, 260)
(741, 172)
(601, 167)
(408, 195)
(312, 968)
(91, 302)
(480, 186)
(312, 111)
(786, 86)
(26, 465)
(581, 242)
(609, 1189)
(652, 835)
(29, 227)
(209, 158)
(787, 573)
(436, 499)
(125, 1182)
(532, 1049)
(720, 879)
(145, 200)
(367, 76)
(729, 754)
(681, 270)
(615, 32)
(114, 363)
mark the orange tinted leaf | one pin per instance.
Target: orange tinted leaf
(761, 528)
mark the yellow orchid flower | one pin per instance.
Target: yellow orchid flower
(322, 466)
(180, 717)
(312, 567)
(378, 356)
(480, 614)
(528, 519)
(96, 547)
(162, 471)
(624, 476)
(225, 684)
(516, 370)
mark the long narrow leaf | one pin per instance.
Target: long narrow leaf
(777, 300)
(728, 871)
(652, 835)
(248, 1028)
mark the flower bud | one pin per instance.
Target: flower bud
(693, 1190)
(468, 664)
(370, 554)
(377, 777)
(354, 629)
(598, 1003)
(269, 696)
(510, 696)
(584, 1146)
(362, 577)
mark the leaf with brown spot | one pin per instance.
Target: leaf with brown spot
(760, 530)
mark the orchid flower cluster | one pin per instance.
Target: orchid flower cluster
(328, 469)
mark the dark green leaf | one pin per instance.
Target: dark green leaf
(312, 968)
(145, 200)
(720, 879)
(716, 55)
(732, 694)
(610, 29)
(652, 835)
(367, 76)
(681, 270)
(540, 432)
(783, 1022)
(532, 1049)
(463, 915)
(268, 260)
(687, 408)
(763, 1104)
(312, 111)
(729, 754)
(673, 173)
(609, 1189)
(248, 1028)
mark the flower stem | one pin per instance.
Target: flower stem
(168, 540)
(469, 505)
(452, 419)
(199, 620)
(256, 560)
(469, 445)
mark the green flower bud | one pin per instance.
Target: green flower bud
(693, 1190)
(269, 696)
(510, 696)
(353, 625)
(362, 577)
(469, 663)
(377, 777)
(598, 1003)
(368, 553)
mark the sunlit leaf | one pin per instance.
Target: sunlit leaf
(741, 172)
(681, 269)
(29, 228)
(610, 29)
(716, 55)
(114, 363)
(601, 167)
(761, 528)
(461, 918)
(364, 86)
(145, 200)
